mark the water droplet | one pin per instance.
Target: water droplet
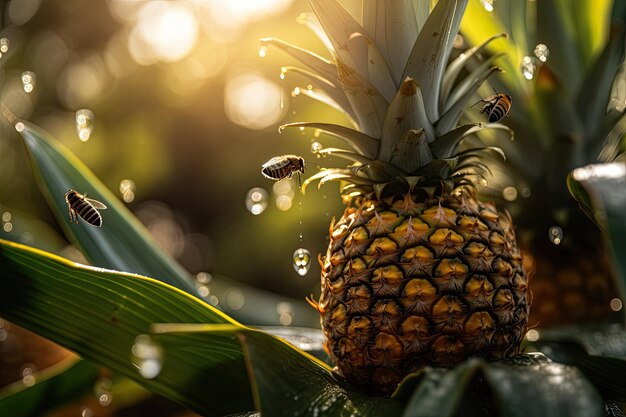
(86, 412)
(235, 299)
(7, 227)
(509, 193)
(541, 52)
(283, 202)
(6, 216)
(532, 335)
(29, 79)
(459, 42)
(214, 301)
(525, 192)
(84, 124)
(19, 126)
(487, 4)
(28, 377)
(102, 390)
(301, 261)
(204, 277)
(127, 189)
(616, 304)
(295, 92)
(263, 51)
(316, 147)
(529, 67)
(203, 291)
(555, 234)
(4, 46)
(256, 200)
(147, 357)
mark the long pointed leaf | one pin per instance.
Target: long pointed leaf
(429, 57)
(362, 143)
(122, 243)
(100, 313)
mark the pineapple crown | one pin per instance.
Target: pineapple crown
(393, 79)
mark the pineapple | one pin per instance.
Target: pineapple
(418, 271)
(566, 116)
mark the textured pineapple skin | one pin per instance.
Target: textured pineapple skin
(422, 279)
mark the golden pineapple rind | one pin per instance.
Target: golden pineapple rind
(412, 281)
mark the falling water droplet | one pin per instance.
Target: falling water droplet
(84, 124)
(301, 261)
(127, 189)
(529, 67)
(263, 51)
(541, 52)
(616, 304)
(147, 357)
(28, 377)
(283, 71)
(555, 235)
(29, 79)
(4, 46)
(235, 299)
(487, 4)
(285, 313)
(102, 390)
(256, 200)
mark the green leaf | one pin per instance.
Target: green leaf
(535, 386)
(288, 383)
(122, 243)
(606, 187)
(68, 380)
(429, 57)
(102, 314)
(441, 391)
(592, 99)
(607, 374)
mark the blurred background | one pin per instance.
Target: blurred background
(174, 105)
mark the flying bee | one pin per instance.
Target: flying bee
(86, 208)
(496, 106)
(283, 166)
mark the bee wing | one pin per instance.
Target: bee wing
(96, 203)
(275, 160)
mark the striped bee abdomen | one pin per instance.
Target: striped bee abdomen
(281, 167)
(83, 207)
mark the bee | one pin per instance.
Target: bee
(79, 205)
(496, 107)
(283, 166)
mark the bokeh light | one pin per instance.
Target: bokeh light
(254, 101)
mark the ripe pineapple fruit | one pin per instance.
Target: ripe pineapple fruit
(418, 271)
(566, 116)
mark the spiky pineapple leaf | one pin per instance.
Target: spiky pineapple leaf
(604, 185)
(364, 144)
(429, 56)
(122, 243)
(100, 313)
(63, 382)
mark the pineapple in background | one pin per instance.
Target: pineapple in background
(418, 271)
(566, 115)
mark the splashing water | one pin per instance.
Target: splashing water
(84, 124)
(555, 234)
(147, 357)
(529, 67)
(256, 200)
(302, 261)
(127, 189)
(541, 52)
(29, 79)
